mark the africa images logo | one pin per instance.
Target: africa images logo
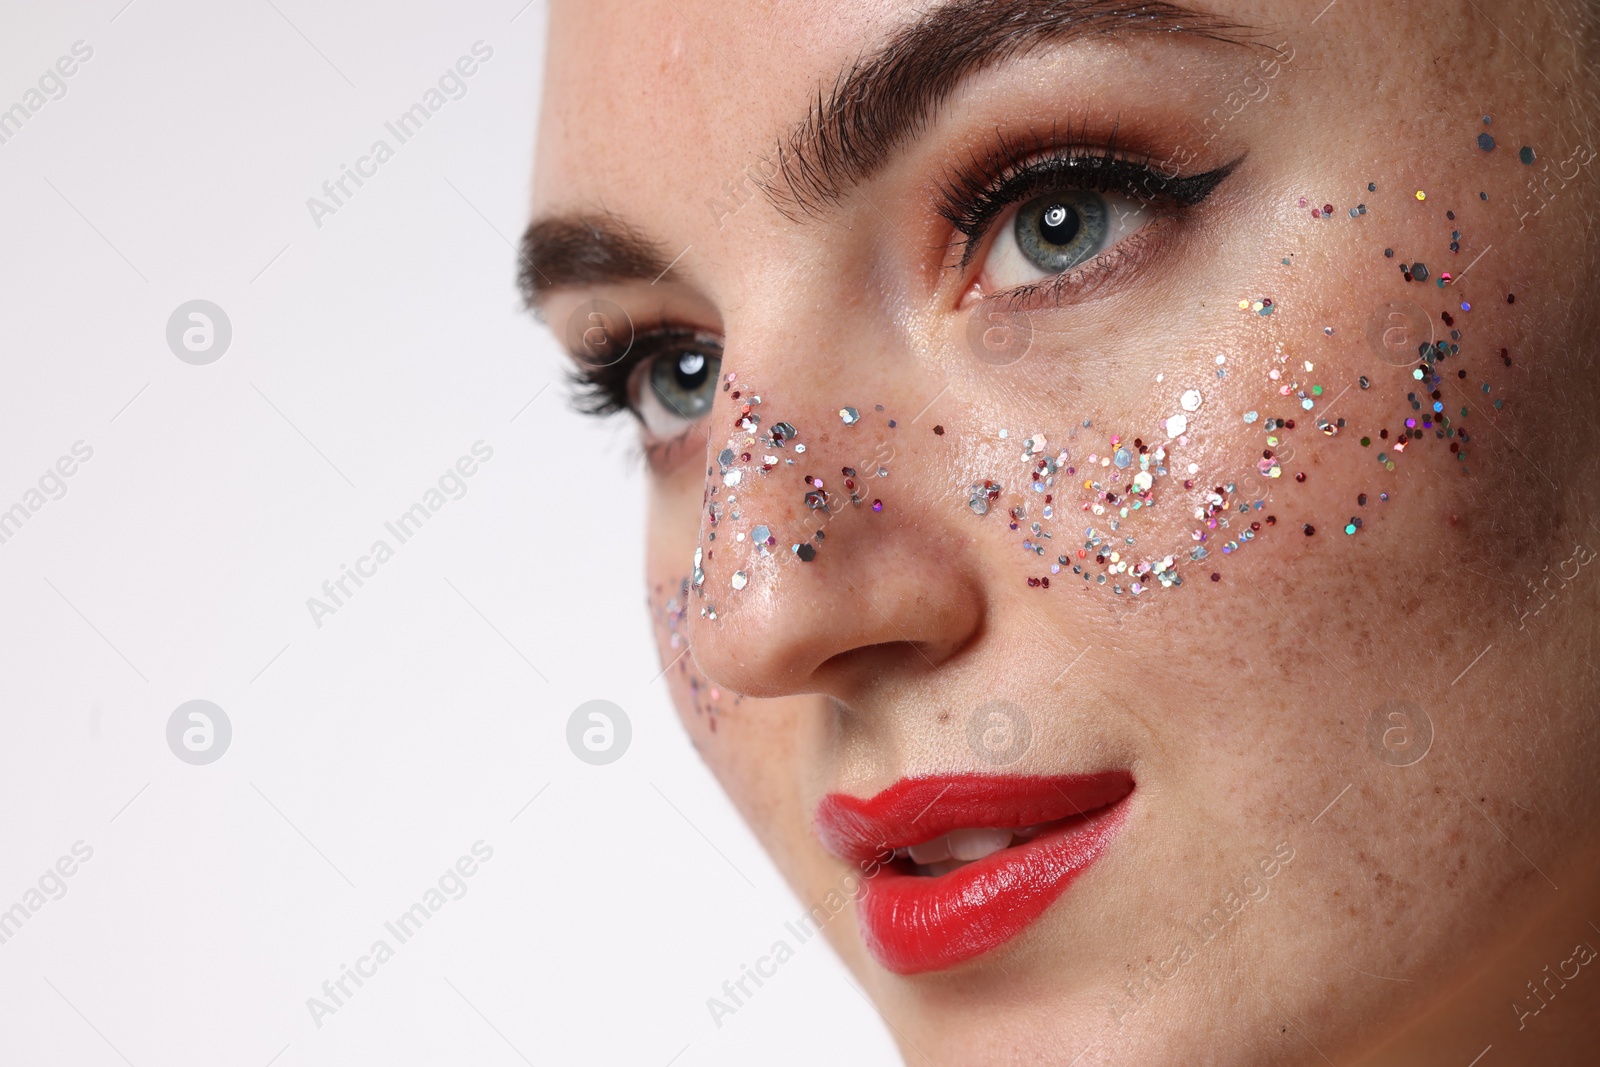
(452, 85)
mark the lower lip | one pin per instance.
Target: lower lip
(913, 924)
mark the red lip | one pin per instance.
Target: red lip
(913, 924)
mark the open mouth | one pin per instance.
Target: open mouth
(960, 864)
(954, 850)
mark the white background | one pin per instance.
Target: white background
(372, 752)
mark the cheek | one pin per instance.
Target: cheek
(1381, 408)
(669, 551)
(722, 723)
(1319, 398)
(743, 741)
(700, 703)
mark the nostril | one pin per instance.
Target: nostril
(882, 660)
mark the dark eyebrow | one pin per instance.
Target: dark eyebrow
(884, 99)
(575, 250)
(888, 96)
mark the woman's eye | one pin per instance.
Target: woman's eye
(676, 387)
(1055, 233)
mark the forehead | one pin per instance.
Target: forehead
(641, 94)
(666, 116)
(704, 81)
(635, 88)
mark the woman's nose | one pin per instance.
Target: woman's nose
(829, 554)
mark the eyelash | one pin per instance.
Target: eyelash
(604, 390)
(1016, 171)
(973, 198)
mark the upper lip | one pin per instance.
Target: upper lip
(916, 810)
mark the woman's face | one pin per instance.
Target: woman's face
(1154, 445)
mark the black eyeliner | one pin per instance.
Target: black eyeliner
(974, 198)
(603, 389)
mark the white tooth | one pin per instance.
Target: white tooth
(976, 844)
(931, 851)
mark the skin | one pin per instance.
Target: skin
(1421, 899)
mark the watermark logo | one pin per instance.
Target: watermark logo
(450, 886)
(599, 332)
(741, 190)
(1396, 333)
(1542, 595)
(997, 335)
(199, 732)
(1544, 987)
(451, 485)
(51, 486)
(51, 886)
(1151, 975)
(599, 732)
(337, 192)
(199, 332)
(999, 732)
(51, 86)
(1399, 733)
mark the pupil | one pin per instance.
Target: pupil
(691, 369)
(1059, 224)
